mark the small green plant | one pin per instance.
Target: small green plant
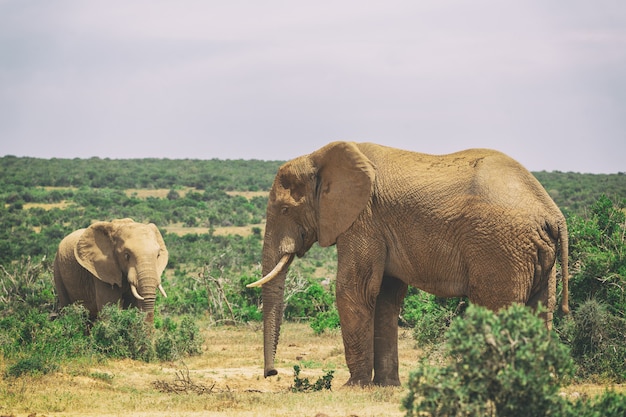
(303, 384)
(504, 364)
(102, 376)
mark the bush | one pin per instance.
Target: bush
(598, 253)
(609, 404)
(38, 345)
(310, 301)
(502, 364)
(178, 340)
(26, 285)
(598, 342)
(122, 334)
(32, 365)
(430, 316)
(326, 320)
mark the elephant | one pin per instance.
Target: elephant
(117, 262)
(472, 224)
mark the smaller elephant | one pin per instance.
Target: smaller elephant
(117, 262)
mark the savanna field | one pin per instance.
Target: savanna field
(204, 354)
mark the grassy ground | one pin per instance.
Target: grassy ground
(226, 380)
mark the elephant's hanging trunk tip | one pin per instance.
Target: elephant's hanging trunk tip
(274, 272)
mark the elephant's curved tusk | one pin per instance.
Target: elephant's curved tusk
(133, 289)
(277, 269)
(162, 290)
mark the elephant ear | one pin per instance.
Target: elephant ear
(163, 253)
(95, 251)
(345, 180)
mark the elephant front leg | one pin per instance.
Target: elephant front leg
(359, 278)
(388, 305)
(357, 328)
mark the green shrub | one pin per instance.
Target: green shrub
(504, 364)
(309, 302)
(326, 320)
(598, 342)
(31, 365)
(175, 341)
(598, 252)
(609, 404)
(26, 285)
(430, 316)
(122, 334)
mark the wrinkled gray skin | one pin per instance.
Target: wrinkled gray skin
(473, 223)
(98, 265)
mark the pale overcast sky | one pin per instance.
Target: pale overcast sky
(544, 81)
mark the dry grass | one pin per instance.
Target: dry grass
(229, 370)
(226, 380)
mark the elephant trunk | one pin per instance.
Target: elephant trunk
(147, 283)
(273, 307)
(273, 304)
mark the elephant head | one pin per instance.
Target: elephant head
(315, 197)
(128, 255)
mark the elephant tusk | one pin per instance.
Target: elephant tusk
(277, 269)
(162, 290)
(133, 289)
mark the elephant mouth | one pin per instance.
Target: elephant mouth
(278, 269)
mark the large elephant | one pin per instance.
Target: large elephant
(111, 262)
(473, 223)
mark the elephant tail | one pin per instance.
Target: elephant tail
(563, 237)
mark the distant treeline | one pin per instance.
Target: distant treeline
(225, 175)
(571, 191)
(575, 192)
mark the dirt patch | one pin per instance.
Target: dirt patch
(156, 193)
(48, 206)
(245, 231)
(248, 194)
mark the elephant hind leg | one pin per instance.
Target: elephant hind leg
(544, 294)
(64, 298)
(388, 305)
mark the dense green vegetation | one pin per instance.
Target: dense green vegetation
(502, 364)
(43, 200)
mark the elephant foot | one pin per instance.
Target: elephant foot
(358, 382)
(387, 382)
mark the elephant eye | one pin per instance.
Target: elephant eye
(284, 210)
(127, 256)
